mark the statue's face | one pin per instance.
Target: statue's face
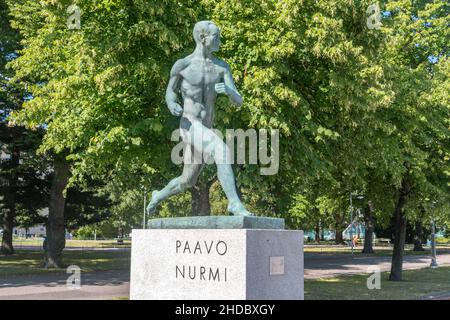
(212, 41)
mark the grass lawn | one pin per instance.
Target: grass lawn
(74, 243)
(29, 261)
(415, 284)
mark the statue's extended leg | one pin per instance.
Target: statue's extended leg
(175, 186)
(187, 179)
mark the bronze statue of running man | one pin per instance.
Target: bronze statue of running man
(200, 77)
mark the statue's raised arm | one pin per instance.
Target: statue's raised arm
(228, 87)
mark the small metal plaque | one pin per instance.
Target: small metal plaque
(276, 265)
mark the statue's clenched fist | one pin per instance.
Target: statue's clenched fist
(175, 109)
(222, 88)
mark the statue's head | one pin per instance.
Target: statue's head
(207, 34)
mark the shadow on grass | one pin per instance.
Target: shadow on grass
(97, 278)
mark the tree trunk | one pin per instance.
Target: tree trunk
(8, 225)
(418, 231)
(339, 227)
(399, 233)
(322, 232)
(10, 209)
(339, 239)
(201, 205)
(418, 236)
(56, 241)
(370, 226)
(317, 233)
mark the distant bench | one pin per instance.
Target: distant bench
(383, 241)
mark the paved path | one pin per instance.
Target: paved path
(113, 284)
(100, 285)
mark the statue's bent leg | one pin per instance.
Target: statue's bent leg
(191, 171)
(214, 147)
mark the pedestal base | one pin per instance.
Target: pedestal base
(216, 222)
(216, 264)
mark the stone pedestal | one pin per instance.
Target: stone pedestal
(216, 264)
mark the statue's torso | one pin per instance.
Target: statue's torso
(198, 88)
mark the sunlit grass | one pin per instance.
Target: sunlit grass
(331, 280)
(74, 243)
(416, 284)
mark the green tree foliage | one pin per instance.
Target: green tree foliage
(23, 176)
(416, 57)
(101, 87)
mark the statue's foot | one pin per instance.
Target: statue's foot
(238, 209)
(151, 208)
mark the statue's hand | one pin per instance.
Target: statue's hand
(222, 88)
(175, 109)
